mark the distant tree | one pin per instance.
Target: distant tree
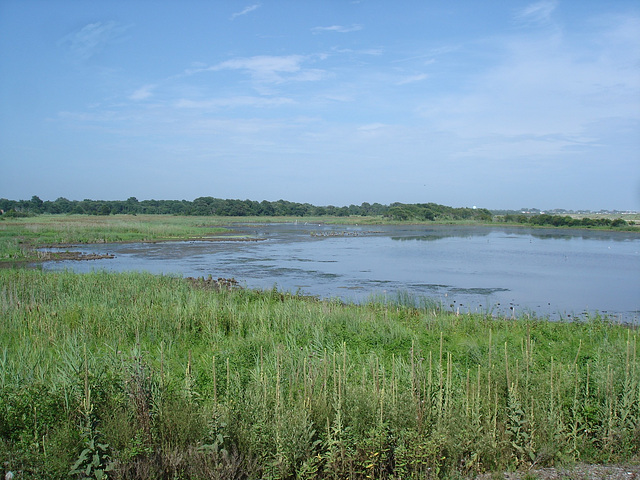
(428, 214)
(51, 207)
(78, 209)
(238, 209)
(131, 206)
(203, 206)
(331, 210)
(378, 209)
(6, 204)
(266, 209)
(319, 211)
(36, 205)
(398, 212)
(484, 215)
(63, 205)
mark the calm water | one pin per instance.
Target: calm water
(555, 273)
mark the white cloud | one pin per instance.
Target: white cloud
(246, 10)
(337, 28)
(366, 51)
(548, 85)
(531, 147)
(240, 101)
(262, 65)
(271, 69)
(92, 38)
(371, 126)
(142, 93)
(537, 13)
(412, 79)
(338, 97)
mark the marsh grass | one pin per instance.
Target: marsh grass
(19, 236)
(180, 382)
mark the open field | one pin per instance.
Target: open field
(156, 377)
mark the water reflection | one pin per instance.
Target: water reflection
(503, 271)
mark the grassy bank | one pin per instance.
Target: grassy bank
(155, 377)
(19, 236)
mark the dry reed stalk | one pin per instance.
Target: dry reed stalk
(490, 349)
(228, 390)
(506, 364)
(394, 389)
(467, 405)
(215, 383)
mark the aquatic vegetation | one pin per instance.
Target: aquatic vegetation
(162, 378)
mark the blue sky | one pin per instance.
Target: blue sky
(495, 104)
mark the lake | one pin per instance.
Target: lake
(505, 271)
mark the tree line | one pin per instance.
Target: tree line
(564, 221)
(205, 206)
(210, 206)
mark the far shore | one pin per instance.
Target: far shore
(22, 238)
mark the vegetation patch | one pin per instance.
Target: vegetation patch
(133, 375)
(20, 238)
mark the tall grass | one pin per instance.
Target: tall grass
(140, 376)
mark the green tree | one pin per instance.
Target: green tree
(36, 205)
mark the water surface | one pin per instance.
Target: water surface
(505, 271)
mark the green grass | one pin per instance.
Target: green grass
(19, 236)
(182, 382)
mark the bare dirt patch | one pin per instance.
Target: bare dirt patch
(47, 256)
(210, 283)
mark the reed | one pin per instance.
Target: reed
(173, 381)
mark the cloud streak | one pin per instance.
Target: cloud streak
(142, 93)
(93, 38)
(337, 28)
(234, 102)
(412, 79)
(270, 69)
(537, 13)
(246, 10)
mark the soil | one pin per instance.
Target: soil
(213, 284)
(46, 256)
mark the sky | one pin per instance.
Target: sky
(501, 105)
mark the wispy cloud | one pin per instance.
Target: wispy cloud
(364, 51)
(272, 69)
(547, 92)
(92, 38)
(240, 101)
(142, 93)
(337, 28)
(246, 10)
(413, 79)
(262, 64)
(537, 13)
(371, 127)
